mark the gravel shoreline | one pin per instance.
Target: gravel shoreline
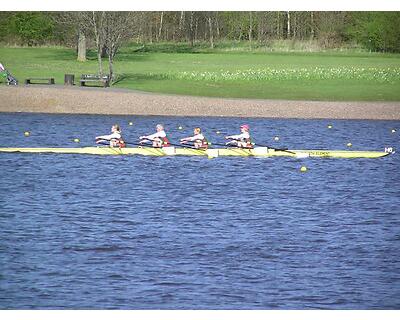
(66, 99)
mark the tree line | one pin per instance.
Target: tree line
(108, 31)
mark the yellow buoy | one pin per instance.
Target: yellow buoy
(276, 138)
(303, 169)
(27, 133)
(349, 144)
(76, 140)
(329, 126)
(131, 123)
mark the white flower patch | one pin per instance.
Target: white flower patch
(271, 74)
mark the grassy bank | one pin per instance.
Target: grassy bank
(339, 76)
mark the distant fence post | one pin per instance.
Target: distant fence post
(69, 79)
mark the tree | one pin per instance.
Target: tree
(330, 28)
(250, 27)
(312, 26)
(93, 23)
(110, 30)
(377, 31)
(5, 25)
(81, 45)
(191, 28)
(160, 27)
(73, 25)
(211, 33)
(96, 21)
(117, 28)
(181, 24)
(32, 27)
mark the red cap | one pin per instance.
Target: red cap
(245, 126)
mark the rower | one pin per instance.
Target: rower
(242, 140)
(200, 142)
(115, 138)
(158, 139)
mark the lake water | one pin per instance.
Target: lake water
(133, 232)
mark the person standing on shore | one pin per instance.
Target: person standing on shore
(158, 139)
(115, 138)
(242, 140)
(200, 142)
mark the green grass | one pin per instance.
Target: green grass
(180, 69)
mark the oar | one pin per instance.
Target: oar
(269, 147)
(171, 144)
(276, 149)
(225, 145)
(237, 140)
(265, 146)
(126, 142)
(210, 144)
(192, 147)
(186, 145)
(103, 143)
(149, 140)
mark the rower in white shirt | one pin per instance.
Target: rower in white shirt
(158, 139)
(200, 142)
(242, 140)
(115, 138)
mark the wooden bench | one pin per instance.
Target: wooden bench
(41, 81)
(105, 80)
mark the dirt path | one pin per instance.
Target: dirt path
(60, 99)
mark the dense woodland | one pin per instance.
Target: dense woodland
(376, 31)
(106, 32)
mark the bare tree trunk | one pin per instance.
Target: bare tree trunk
(294, 25)
(196, 26)
(100, 63)
(181, 24)
(250, 27)
(150, 31)
(217, 25)
(278, 29)
(211, 32)
(240, 33)
(288, 25)
(81, 46)
(161, 25)
(140, 36)
(104, 51)
(110, 65)
(191, 29)
(260, 26)
(99, 45)
(312, 25)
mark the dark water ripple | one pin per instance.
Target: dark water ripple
(92, 232)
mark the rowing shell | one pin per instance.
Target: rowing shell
(212, 153)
